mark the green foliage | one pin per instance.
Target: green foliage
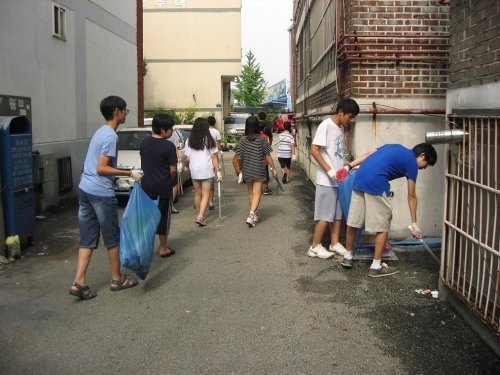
(206, 115)
(228, 138)
(162, 110)
(145, 68)
(250, 85)
(188, 115)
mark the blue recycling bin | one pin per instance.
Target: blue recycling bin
(361, 251)
(17, 176)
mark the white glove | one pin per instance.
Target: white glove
(219, 176)
(240, 178)
(136, 174)
(415, 230)
(179, 167)
(331, 173)
(220, 154)
(294, 157)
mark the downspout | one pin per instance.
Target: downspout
(374, 125)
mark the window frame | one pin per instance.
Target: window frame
(58, 21)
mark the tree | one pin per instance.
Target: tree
(250, 85)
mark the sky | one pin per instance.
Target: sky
(264, 25)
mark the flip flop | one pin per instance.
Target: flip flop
(172, 252)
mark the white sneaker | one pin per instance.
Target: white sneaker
(250, 221)
(338, 249)
(319, 252)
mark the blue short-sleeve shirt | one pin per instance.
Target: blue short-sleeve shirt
(104, 142)
(388, 163)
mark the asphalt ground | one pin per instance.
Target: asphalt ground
(233, 300)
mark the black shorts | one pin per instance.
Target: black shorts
(285, 162)
(165, 207)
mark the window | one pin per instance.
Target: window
(59, 21)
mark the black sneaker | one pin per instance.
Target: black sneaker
(346, 263)
(267, 191)
(175, 210)
(284, 178)
(211, 206)
(385, 270)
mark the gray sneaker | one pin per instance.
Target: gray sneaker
(347, 263)
(385, 270)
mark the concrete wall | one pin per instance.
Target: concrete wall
(66, 79)
(190, 51)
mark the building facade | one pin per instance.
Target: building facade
(193, 52)
(392, 58)
(67, 56)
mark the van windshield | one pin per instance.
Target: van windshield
(131, 140)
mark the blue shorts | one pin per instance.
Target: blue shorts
(98, 214)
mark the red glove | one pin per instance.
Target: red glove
(341, 174)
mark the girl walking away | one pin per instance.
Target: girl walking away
(249, 159)
(202, 158)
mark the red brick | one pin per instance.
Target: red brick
(412, 85)
(386, 91)
(421, 91)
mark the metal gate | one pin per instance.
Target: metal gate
(471, 235)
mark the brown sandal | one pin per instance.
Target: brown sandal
(83, 291)
(124, 283)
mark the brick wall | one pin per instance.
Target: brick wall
(475, 43)
(395, 49)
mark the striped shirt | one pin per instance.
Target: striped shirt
(286, 143)
(252, 154)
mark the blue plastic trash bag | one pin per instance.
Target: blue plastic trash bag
(345, 191)
(137, 233)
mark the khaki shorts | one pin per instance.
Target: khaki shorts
(379, 209)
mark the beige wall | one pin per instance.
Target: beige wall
(190, 51)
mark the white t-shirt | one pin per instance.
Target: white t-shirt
(215, 134)
(285, 147)
(200, 162)
(330, 138)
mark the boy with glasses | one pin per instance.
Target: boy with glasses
(98, 207)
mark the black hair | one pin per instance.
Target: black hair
(348, 106)
(429, 152)
(162, 121)
(262, 116)
(211, 120)
(200, 137)
(109, 104)
(252, 127)
(287, 125)
(262, 125)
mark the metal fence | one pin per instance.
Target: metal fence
(471, 236)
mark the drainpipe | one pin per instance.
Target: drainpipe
(374, 124)
(388, 111)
